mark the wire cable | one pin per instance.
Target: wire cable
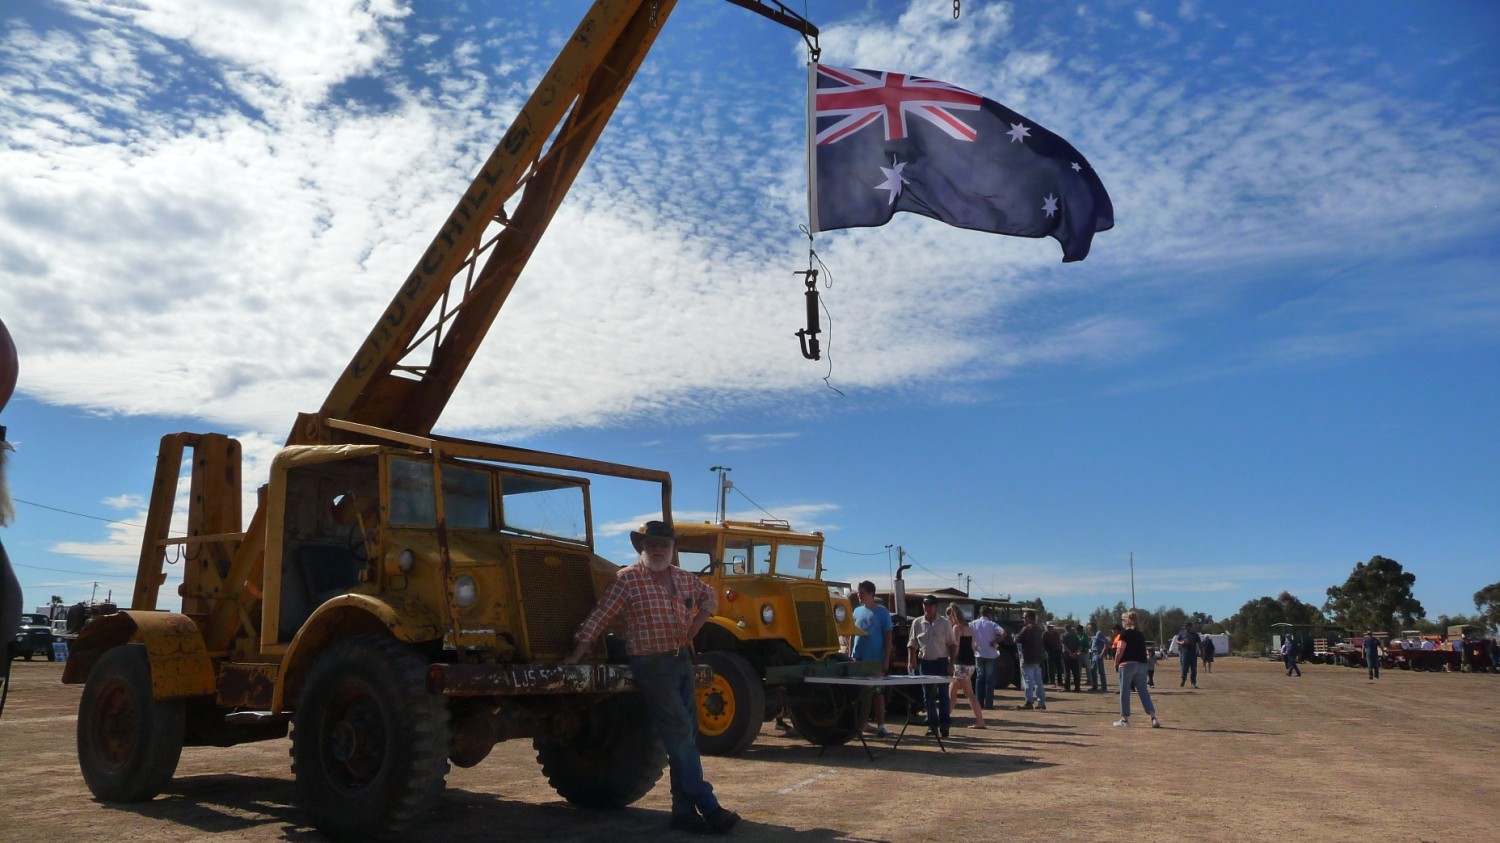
(79, 514)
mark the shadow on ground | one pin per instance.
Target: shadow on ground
(213, 804)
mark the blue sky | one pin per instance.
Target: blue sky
(1280, 362)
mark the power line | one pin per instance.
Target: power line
(59, 570)
(914, 561)
(757, 506)
(827, 546)
(79, 514)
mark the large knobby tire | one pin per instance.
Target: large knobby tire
(613, 758)
(829, 715)
(731, 709)
(128, 743)
(369, 743)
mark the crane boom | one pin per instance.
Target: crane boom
(476, 256)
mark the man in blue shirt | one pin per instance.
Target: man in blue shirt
(1097, 642)
(1290, 649)
(874, 646)
(1187, 653)
(1372, 654)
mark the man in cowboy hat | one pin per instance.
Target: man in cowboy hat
(664, 608)
(932, 647)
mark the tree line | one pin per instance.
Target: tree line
(1376, 596)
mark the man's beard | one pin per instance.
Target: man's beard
(655, 567)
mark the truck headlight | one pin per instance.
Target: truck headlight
(465, 591)
(406, 560)
(840, 613)
(767, 614)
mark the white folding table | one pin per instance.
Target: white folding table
(868, 685)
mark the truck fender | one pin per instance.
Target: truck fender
(343, 617)
(719, 633)
(848, 627)
(180, 666)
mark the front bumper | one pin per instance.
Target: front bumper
(507, 680)
(31, 645)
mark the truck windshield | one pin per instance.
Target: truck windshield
(747, 556)
(533, 505)
(540, 506)
(797, 560)
(466, 496)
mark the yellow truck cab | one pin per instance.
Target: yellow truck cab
(778, 623)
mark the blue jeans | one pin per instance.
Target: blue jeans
(1035, 690)
(938, 713)
(985, 672)
(1133, 675)
(1189, 665)
(666, 683)
(1291, 665)
(1096, 672)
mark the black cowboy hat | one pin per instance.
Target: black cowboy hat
(652, 530)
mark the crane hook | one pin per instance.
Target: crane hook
(809, 336)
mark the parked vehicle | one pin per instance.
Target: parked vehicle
(35, 637)
(779, 623)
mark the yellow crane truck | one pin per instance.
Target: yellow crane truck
(400, 600)
(778, 623)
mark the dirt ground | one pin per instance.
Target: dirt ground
(1251, 755)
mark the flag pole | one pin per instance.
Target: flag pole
(812, 157)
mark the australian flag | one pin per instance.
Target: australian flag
(883, 142)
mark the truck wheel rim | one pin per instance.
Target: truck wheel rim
(116, 724)
(715, 707)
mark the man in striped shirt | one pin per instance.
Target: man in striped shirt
(664, 608)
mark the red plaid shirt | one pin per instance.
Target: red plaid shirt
(655, 620)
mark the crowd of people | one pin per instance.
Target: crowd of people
(1048, 654)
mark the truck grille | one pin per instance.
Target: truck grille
(555, 598)
(815, 623)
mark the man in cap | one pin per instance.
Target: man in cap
(664, 608)
(932, 646)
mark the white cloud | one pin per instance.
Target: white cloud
(195, 227)
(744, 441)
(299, 48)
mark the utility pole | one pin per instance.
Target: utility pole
(724, 486)
(1132, 579)
(968, 582)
